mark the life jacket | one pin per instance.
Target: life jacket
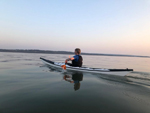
(77, 63)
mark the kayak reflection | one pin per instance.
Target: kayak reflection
(74, 78)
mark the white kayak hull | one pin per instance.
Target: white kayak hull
(119, 72)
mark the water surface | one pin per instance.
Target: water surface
(29, 86)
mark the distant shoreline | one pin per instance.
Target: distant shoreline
(64, 52)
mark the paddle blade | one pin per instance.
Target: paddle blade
(64, 67)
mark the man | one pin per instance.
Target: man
(76, 60)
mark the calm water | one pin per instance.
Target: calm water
(29, 86)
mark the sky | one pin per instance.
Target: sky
(94, 26)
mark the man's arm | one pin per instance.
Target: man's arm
(68, 59)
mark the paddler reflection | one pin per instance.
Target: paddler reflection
(75, 78)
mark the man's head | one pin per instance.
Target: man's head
(77, 86)
(77, 51)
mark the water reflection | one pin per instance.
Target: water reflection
(133, 78)
(75, 78)
(69, 76)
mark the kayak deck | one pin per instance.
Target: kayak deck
(120, 72)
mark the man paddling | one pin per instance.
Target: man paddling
(76, 60)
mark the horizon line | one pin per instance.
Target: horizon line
(67, 52)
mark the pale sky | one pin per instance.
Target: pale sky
(95, 26)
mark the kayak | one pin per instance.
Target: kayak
(120, 72)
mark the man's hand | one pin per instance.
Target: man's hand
(69, 59)
(66, 61)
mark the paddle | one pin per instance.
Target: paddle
(64, 67)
